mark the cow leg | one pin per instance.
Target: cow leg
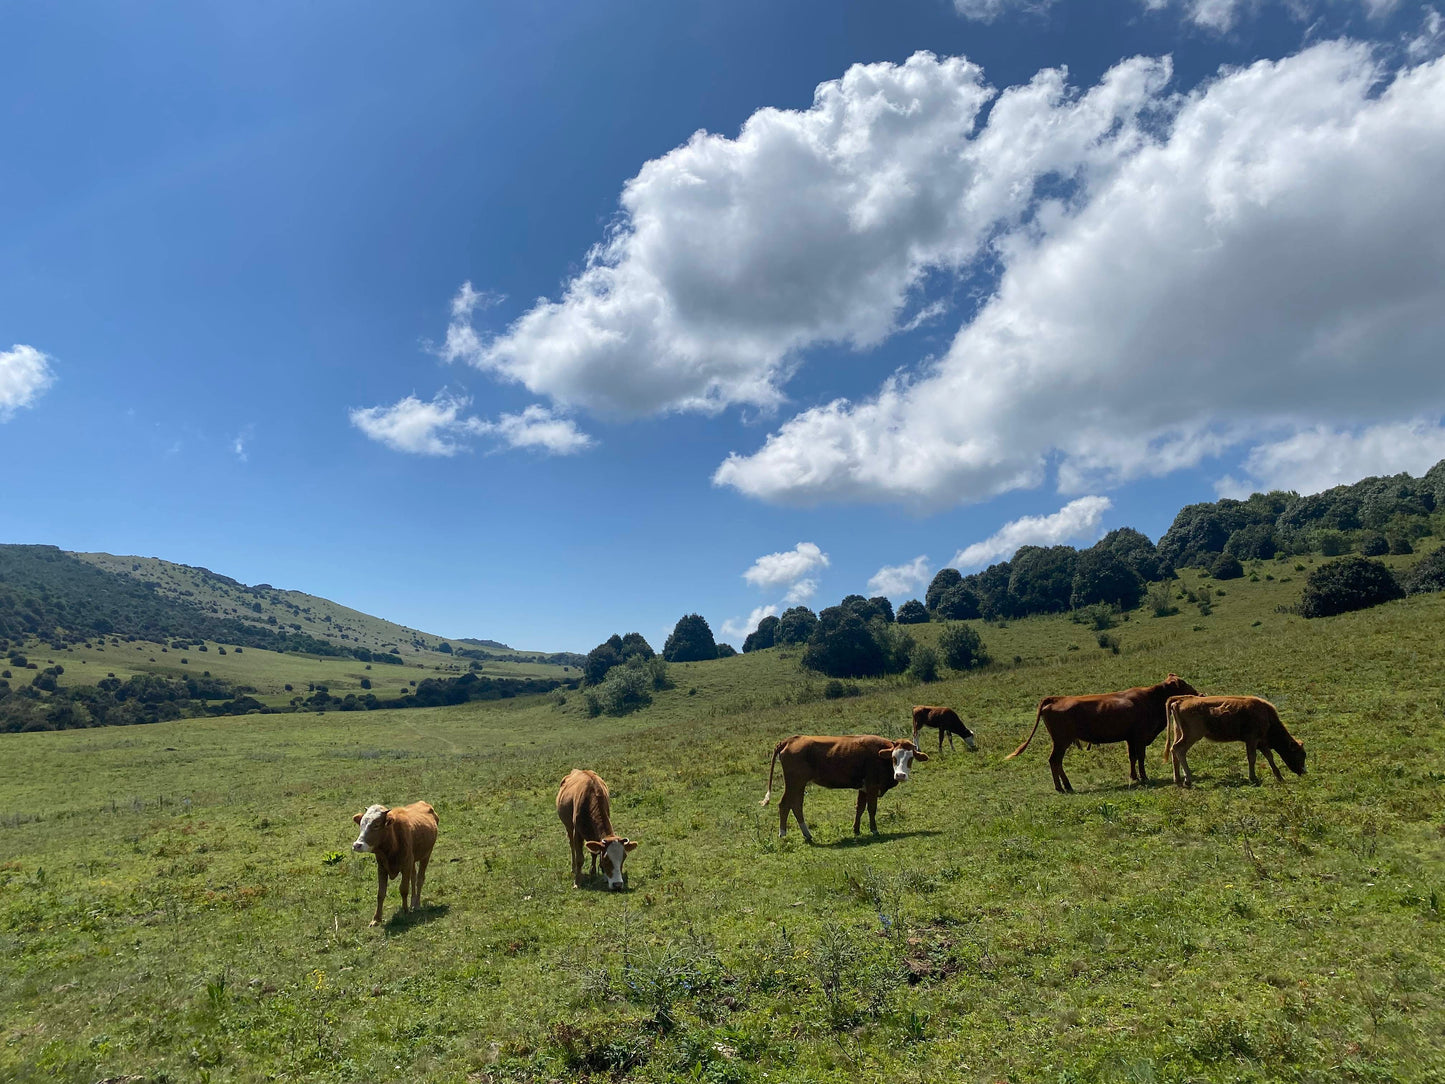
(406, 879)
(1178, 775)
(1136, 759)
(798, 815)
(1272, 765)
(381, 879)
(940, 741)
(1249, 753)
(1056, 766)
(1181, 759)
(873, 812)
(418, 881)
(576, 861)
(858, 813)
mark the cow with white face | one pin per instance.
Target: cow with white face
(867, 763)
(402, 840)
(584, 807)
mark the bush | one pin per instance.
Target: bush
(726, 651)
(1101, 577)
(924, 664)
(1427, 575)
(912, 612)
(796, 625)
(764, 636)
(1351, 583)
(1226, 567)
(836, 690)
(1400, 546)
(1374, 544)
(1255, 542)
(1332, 543)
(843, 646)
(958, 603)
(624, 690)
(691, 640)
(366, 683)
(962, 648)
(1041, 578)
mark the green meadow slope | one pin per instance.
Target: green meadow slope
(179, 902)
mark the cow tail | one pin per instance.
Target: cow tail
(1037, 716)
(776, 750)
(1173, 730)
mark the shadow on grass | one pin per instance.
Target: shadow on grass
(401, 921)
(868, 839)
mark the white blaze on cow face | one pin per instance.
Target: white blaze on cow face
(610, 856)
(370, 822)
(902, 763)
(972, 745)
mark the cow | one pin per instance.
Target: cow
(1135, 716)
(1229, 718)
(947, 722)
(585, 809)
(865, 762)
(402, 840)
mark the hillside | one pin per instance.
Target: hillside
(181, 897)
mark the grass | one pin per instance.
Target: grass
(179, 901)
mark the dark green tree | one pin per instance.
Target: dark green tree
(962, 647)
(958, 603)
(1136, 550)
(691, 640)
(764, 636)
(1102, 576)
(796, 625)
(1226, 567)
(1427, 575)
(1041, 578)
(946, 578)
(912, 612)
(1351, 583)
(842, 645)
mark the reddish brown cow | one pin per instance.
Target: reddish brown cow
(863, 762)
(947, 722)
(1229, 718)
(585, 809)
(402, 840)
(1135, 716)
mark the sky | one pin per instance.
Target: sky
(543, 322)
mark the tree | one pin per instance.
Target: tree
(1041, 578)
(764, 636)
(796, 625)
(992, 588)
(1198, 532)
(1351, 583)
(1255, 542)
(946, 578)
(958, 603)
(1226, 567)
(601, 659)
(924, 664)
(1374, 544)
(726, 651)
(635, 644)
(882, 607)
(962, 647)
(1135, 550)
(842, 645)
(1101, 576)
(1428, 573)
(912, 612)
(691, 640)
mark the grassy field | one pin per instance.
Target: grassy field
(179, 901)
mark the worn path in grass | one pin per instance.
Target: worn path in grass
(179, 900)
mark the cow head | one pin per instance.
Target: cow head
(372, 824)
(902, 754)
(611, 853)
(967, 736)
(1174, 685)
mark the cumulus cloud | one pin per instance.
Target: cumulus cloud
(25, 373)
(822, 225)
(1079, 519)
(789, 566)
(895, 580)
(1318, 458)
(801, 592)
(1267, 257)
(739, 629)
(440, 427)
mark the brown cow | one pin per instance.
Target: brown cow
(1229, 718)
(402, 840)
(947, 722)
(585, 810)
(865, 762)
(1135, 716)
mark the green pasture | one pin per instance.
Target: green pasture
(179, 901)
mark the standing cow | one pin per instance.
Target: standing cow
(863, 762)
(584, 807)
(1135, 716)
(947, 722)
(402, 840)
(1229, 718)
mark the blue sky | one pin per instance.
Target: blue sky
(935, 280)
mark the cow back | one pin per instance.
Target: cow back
(846, 761)
(585, 805)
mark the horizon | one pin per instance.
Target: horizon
(539, 329)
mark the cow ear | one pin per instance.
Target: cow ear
(886, 754)
(919, 754)
(357, 818)
(594, 846)
(629, 845)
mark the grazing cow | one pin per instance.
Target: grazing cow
(1229, 718)
(865, 762)
(1135, 716)
(585, 809)
(402, 840)
(947, 722)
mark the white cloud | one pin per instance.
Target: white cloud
(896, 580)
(410, 425)
(238, 444)
(1269, 257)
(777, 569)
(812, 226)
(1316, 459)
(440, 428)
(538, 428)
(1079, 519)
(1430, 40)
(25, 373)
(801, 592)
(738, 629)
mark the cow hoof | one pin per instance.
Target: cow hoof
(374, 922)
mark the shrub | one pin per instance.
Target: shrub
(1374, 544)
(1226, 567)
(1161, 600)
(962, 648)
(1427, 575)
(726, 651)
(912, 612)
(1098, 617)
(366, 683)
(924, 664)
(1400, 546)
(1256, 542)
(1351, 583)
(836, 690)
(1332, 543)
(624, 690)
